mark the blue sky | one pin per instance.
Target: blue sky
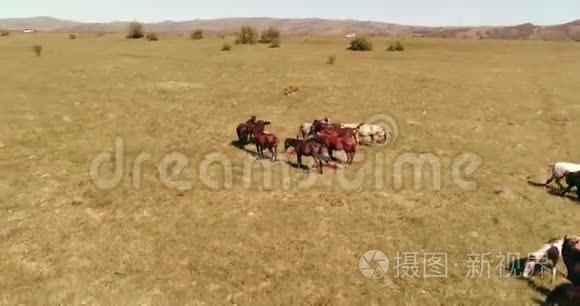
(411, 12)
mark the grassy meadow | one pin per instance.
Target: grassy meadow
(64, 241)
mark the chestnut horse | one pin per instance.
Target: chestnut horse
(335, 128)
(334, 141)
(307, 148)
(265, 140)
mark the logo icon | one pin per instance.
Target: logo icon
(373, 264)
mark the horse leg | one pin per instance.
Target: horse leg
(552, 178)
(558, 181)
(317, 163)
(274, 151)
(330, 154)
(299, 159)
(259, 149)
(566, 190)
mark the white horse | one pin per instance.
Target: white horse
(559, 170)
(376, 133)
(304, 129)
(552, 250)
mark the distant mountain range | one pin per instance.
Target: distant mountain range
(310, 26)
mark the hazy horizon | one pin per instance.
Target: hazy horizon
(411, 12)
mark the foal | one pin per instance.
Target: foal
(307, 148)
(265, 140)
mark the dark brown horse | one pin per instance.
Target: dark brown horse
(334, 141)
(265, 140)
(568, 294)
(244, 131)
(307, 148)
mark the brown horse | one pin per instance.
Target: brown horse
(265, 140)
(568, 294)
(334, 141)
(335, 128)
(320, 125)
(244, 130)
(307, 148)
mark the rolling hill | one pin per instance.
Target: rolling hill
(312, 26)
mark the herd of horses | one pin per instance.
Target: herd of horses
(319, 139)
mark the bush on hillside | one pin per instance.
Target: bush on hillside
(361, 44)
(275, 43)
(135, 30)
(247, 35)
(72, 36)
(269, 35)
(37, 49)
(396, 46)
(4, 32)
(151, 36)
(196, 35)
(331, 59)
(226, 47)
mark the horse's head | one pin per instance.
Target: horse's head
(252, 120)
(530, 266)
(260, 126)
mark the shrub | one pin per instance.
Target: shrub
(151, 36)
(396, 46)
(37, 49)
(331, 60)
(100, 34)
(291, 90)
(222, 36)
(196, 35)
(361, 44)
(275, 43)
(72, 36)
(4, 32)
(247, 35)
(226, 47)
(269, 35)
(135, 30)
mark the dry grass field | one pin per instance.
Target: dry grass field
(65, 241)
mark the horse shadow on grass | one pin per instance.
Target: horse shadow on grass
(556, 191)
(242, 146)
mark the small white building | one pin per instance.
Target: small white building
(351, 35)
(29, 30)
